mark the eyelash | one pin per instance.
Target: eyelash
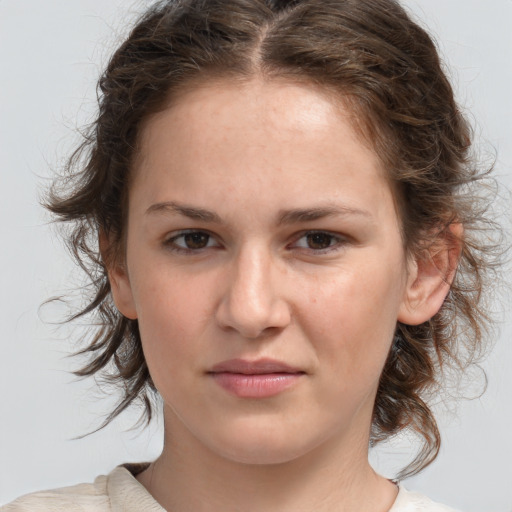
(171, 244)
(336, 241)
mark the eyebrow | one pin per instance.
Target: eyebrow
(285, 217)
(192, 212)
(311, 214)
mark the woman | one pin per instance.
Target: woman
(273, 202)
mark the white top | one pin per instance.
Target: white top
(121, 492)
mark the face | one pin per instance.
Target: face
(265, 266)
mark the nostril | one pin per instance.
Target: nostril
(253, 322)
(252, 303)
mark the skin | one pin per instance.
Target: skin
(237, 162)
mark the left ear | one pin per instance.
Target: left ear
(120, 286)
(430, 276)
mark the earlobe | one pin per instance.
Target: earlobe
(430, 277)
(122, 292)
(119, 281)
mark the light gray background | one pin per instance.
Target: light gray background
(50, 56)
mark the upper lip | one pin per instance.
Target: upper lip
(258, 367)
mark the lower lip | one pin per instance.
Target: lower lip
(256, 385)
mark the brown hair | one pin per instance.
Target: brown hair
(386, 67)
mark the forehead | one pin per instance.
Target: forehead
(237, 138)
(299, 111)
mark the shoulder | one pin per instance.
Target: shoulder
(77, 498)
(119, 490)
(410, 501)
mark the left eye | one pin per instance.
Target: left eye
(192, 241)
(318, 240)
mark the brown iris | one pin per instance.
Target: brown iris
(196, 240)
(319, 240)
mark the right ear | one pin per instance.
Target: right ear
(119, 281)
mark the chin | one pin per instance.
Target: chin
(261, 454)
(264, 446)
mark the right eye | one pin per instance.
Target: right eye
(191, 241)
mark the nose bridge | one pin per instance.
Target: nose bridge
(253, 278)
(252, 303)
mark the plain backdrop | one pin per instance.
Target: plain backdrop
(51, 53)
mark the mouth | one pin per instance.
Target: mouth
(255, 379)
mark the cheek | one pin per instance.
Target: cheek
(351, 318)
(174, 311)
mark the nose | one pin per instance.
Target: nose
(251, 303)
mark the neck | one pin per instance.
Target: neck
(334, 477)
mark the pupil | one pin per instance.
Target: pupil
(319, 240)
(196, 240)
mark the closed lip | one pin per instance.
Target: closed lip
(257, 367)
